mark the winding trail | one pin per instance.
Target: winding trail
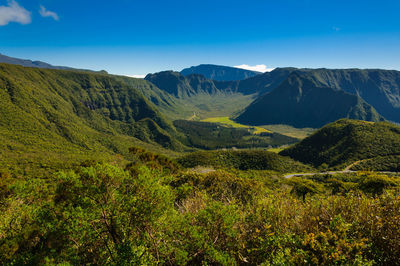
(344, 171)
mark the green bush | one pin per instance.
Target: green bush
(243, 160)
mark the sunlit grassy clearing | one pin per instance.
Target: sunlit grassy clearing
(226, 121)
(276, 150)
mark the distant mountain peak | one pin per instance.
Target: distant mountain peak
(220, 73)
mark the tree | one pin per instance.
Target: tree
(301, 187)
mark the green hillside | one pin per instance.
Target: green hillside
(47, 113)
(346, 141)
(300, 102)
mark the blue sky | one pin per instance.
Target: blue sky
(134, 37)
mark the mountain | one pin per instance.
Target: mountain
(38, 64)
(46, 111)
(262, 83)
(221, 73)
(380, 88)
(346, 141)
(182, 96)
(302, 102)
(377, 88)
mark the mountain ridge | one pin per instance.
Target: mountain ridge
(38, 64)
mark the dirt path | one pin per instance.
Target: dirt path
(353, 164)
(320, 173)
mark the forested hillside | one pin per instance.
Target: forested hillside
(47, 112)
(347, 141)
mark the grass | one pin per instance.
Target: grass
(224, 120)
(276, 150)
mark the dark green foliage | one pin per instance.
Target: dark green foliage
(206, 135)
(243, 160)
(221, 73)
(301, 102)
(347, 141)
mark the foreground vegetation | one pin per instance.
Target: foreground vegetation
(152, 211)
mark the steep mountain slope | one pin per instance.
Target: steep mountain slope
(256, 85)
(39, 64)
(169, 105)
(221, 73)
(346, 141)
(55, 111)
(379, 88)
(301, 102)
(182, 86)
(264, 83)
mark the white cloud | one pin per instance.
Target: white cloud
(46, 13)
(13, 12)
(259, 68)
(137, 76)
